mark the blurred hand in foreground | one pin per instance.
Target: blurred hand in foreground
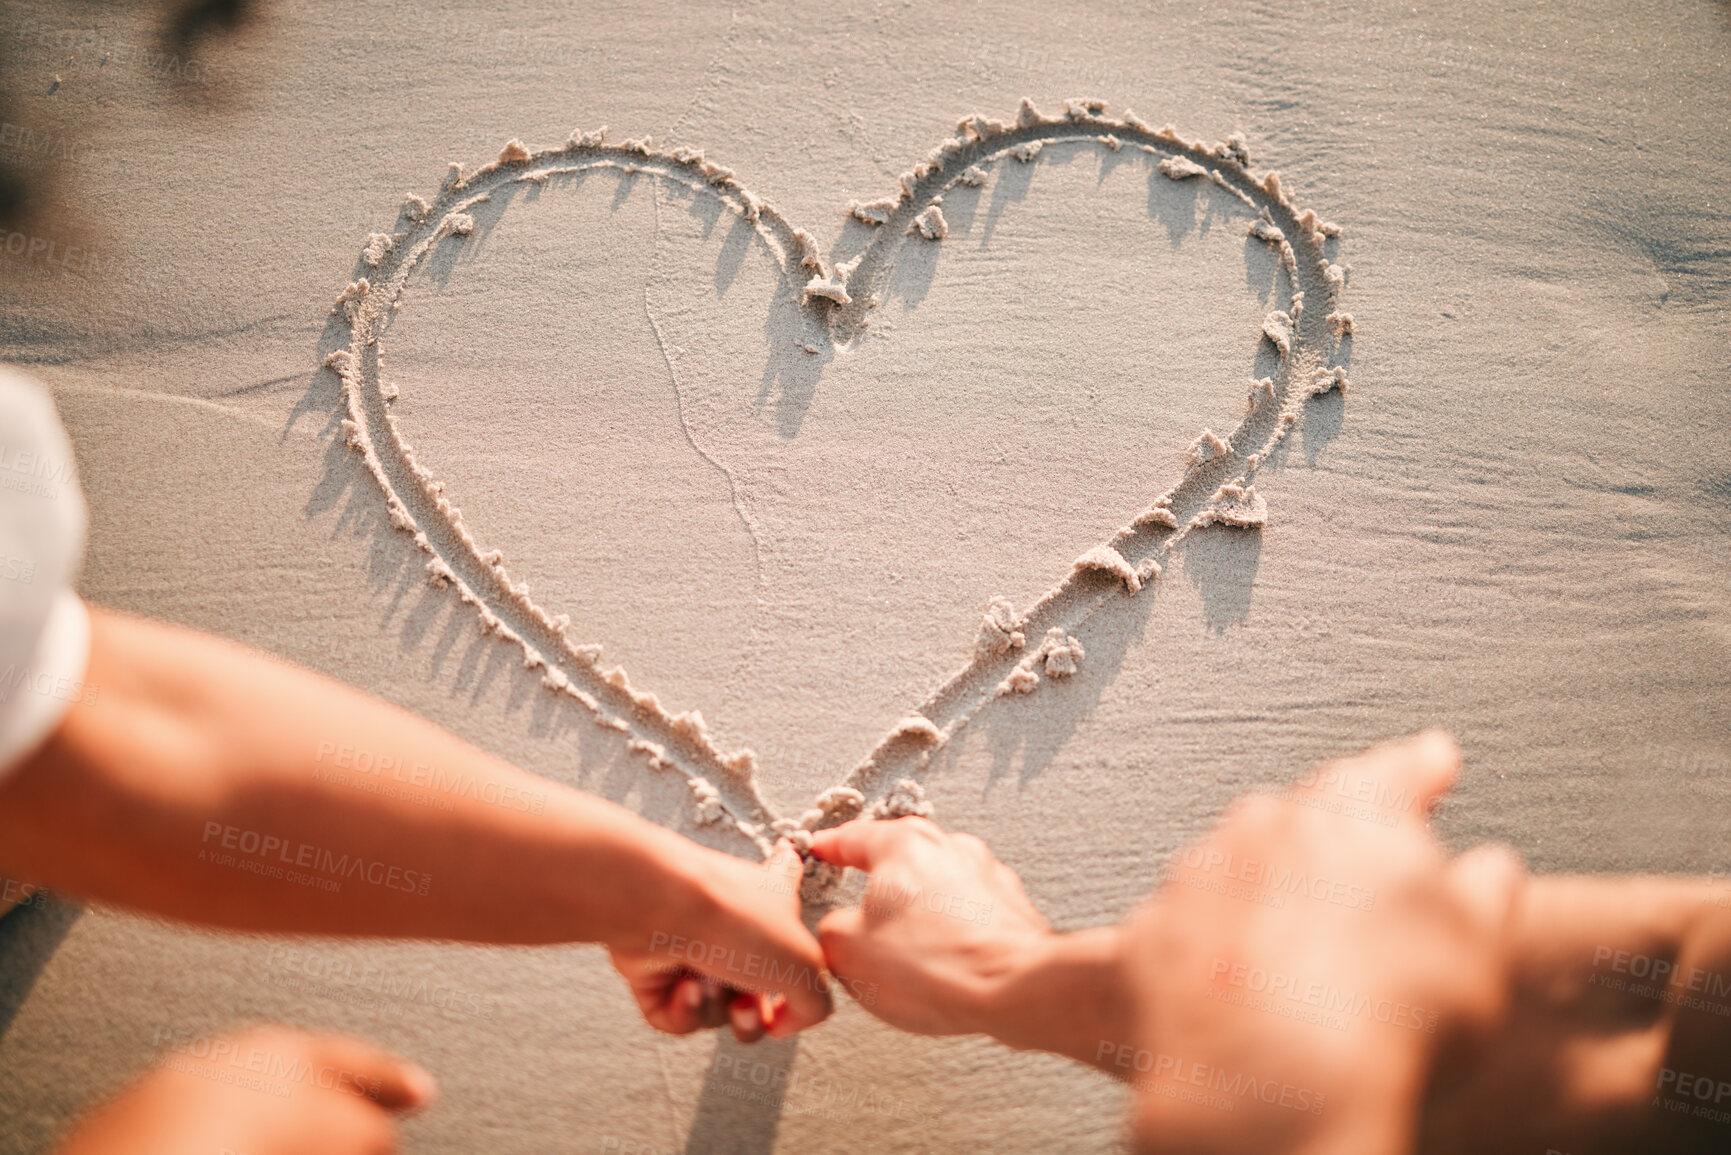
(265, 1091)
(1305, 972)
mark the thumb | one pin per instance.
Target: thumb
(840, 933)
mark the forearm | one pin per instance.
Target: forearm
(208, 784)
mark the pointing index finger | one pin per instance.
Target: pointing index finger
(1407, 777)
(866, 842)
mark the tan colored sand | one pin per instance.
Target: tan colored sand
(1516, 524)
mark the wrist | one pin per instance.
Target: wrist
(657, 886)
(1066, 994)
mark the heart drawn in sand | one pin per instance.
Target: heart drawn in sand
(1016, 649)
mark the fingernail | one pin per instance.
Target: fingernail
(693, 994)
(746, 1020)
(423, 1088)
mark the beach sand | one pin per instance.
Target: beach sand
(1509, 514)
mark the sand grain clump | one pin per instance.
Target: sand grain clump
(930, 224)
(1180, 168)
(907, 799)
(1000, 629)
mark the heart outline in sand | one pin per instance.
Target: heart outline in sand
(1217, 486)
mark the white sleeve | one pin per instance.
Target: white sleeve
(44, 629)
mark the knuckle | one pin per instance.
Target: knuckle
(920, 827)
(836, 939)
(971, 845)
(1257, 811)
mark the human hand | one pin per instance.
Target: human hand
(1305, 970)
(739, 955)
(946, 942)
(942, 930)
(265, 1091)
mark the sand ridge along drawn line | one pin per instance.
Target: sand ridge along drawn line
(1015, 649)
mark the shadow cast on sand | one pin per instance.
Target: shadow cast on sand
(1220, 564)
(29, 936)
(744, 1094)
(1024, 735)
